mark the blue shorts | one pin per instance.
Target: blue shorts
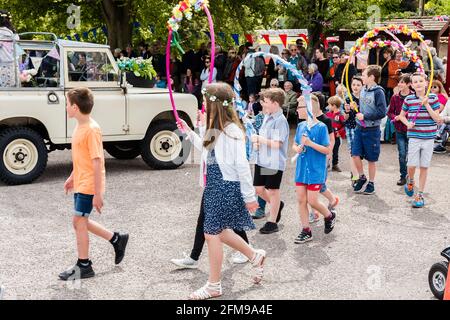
(83, 204)
(366, 143)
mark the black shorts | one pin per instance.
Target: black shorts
(269, 178)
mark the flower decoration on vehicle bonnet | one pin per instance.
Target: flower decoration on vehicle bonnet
(213, 98)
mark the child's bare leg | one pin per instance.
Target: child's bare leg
(411, 172)
(302, 199)
(262, 193)
(274, 200)
(316, 204)
(359, 165)
(80, 224)
(99, 230)
(372, 171)
(215, 254)
(422, 178)
(230, 238)
(355, 172)
(330, 196)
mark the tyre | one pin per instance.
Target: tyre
(164, 146)
(123, 151)
(24, 155)
(437, 278)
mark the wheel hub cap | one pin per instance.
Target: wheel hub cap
(439, 281)
(166, 146)
(20, 156)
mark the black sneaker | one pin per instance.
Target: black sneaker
(269, 227)
(439, 149)
(370, 188)
(77, 272)
(359, 185)
(329, 224)
(303, 237)
(119, 247)
(279, 211)
(401, 182)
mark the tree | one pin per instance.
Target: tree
(231, 16)
(328, 16)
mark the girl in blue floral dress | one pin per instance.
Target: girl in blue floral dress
(229, 196)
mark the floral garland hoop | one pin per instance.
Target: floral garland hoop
(185, 9)
(364, 43)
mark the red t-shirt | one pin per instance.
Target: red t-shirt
(338, 123)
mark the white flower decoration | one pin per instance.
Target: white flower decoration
(204, 91)
(225, 103)
(213, 98)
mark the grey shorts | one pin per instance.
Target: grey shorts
(420, 152)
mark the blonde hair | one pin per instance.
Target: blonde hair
(219, 114)
(335, 101)
(275, 95)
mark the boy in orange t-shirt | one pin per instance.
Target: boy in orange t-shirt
(88, 182)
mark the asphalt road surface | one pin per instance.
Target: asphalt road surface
(381, 248)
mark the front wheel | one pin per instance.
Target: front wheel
(437, 279)
(24, 155)
(164, 146)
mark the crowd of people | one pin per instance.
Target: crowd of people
(388, 86)
(397, 93)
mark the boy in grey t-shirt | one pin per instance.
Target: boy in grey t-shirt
(272, 144)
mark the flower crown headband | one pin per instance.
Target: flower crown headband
(213, 98)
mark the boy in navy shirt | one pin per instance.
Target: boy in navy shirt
(366, 144)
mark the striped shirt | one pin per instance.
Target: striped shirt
(425, 127)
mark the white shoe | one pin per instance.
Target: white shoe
(186, 263)
(239, 258)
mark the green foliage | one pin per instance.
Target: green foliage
(230, 16)
(437, 7)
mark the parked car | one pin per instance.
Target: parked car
(34, 122)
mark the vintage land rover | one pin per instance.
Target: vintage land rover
(34, 122)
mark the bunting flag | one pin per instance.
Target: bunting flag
(69, 38)
(249, 38)
(37, 61)
(136, 24)
(222, 35)
(208, 34)
(94, 32)
(105, 30)
(77, 37)
(283, 38)
(267, 38)
(235, 37)
(323, 38)
(304, 37)
(85, 35)
(54, 54)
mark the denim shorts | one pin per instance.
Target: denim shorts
(83, 204)
(366, 143)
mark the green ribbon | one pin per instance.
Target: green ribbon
(176, 41)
